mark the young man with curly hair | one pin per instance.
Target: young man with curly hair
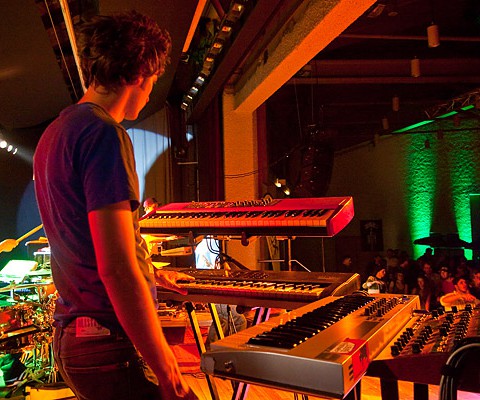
(108, 340)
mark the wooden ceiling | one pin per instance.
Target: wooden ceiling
(349, 86)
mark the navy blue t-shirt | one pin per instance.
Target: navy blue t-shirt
(83, 162)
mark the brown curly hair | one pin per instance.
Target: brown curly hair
(117, 50)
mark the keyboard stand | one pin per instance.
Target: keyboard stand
(241, 388)
(199, 341)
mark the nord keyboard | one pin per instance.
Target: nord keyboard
(279, 217)
(323, 348)
(289, 289)
(422, 347)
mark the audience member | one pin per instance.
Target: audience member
(446, 283)
(398, 285)
(433, 278)
(150, 204)
(346, 265)
(460, 296)
(373, 266)
(475, 283)
(376, 283)
(423, 290)
(392, 259)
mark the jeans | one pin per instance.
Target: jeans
(103, 366)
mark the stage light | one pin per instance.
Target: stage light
(217, 46)
(200, 80)
(280, 182)
(236, 11)
(226, 29)
(3, 144)
(193, 91)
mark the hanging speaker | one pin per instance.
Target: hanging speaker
(315, 163)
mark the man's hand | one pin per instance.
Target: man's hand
(170, 279)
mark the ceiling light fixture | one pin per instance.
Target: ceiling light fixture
(385, 124)
(415, 67)
(9, 147)
(433, 35)
(395, 103)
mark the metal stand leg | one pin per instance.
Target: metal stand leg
(420, 391)
(355, 393)
(216, 321)
(200, 345)
(241, 388)
(389, 389)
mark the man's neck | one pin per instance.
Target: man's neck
(112, 102)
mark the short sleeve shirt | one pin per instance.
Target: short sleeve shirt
(84, 161)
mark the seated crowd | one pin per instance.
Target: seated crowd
(438, 281)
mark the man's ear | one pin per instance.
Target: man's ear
(141, 82)
(137, 82)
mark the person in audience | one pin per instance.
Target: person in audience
(346, 264)
(475, 283)
(376, 283)
(150, 204)
(460, 297)
(423, 290)
(374, 265)
(433, 278)
(398, 286)
(446, 283)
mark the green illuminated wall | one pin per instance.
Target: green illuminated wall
(421, 185)
(417, 182)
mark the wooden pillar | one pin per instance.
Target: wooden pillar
(240, 158)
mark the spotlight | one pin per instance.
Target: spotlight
(286, 191)
(217, 46)
(200, 80)
(237, 10)
(3, 144)
(9, 148)
(280, 182)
